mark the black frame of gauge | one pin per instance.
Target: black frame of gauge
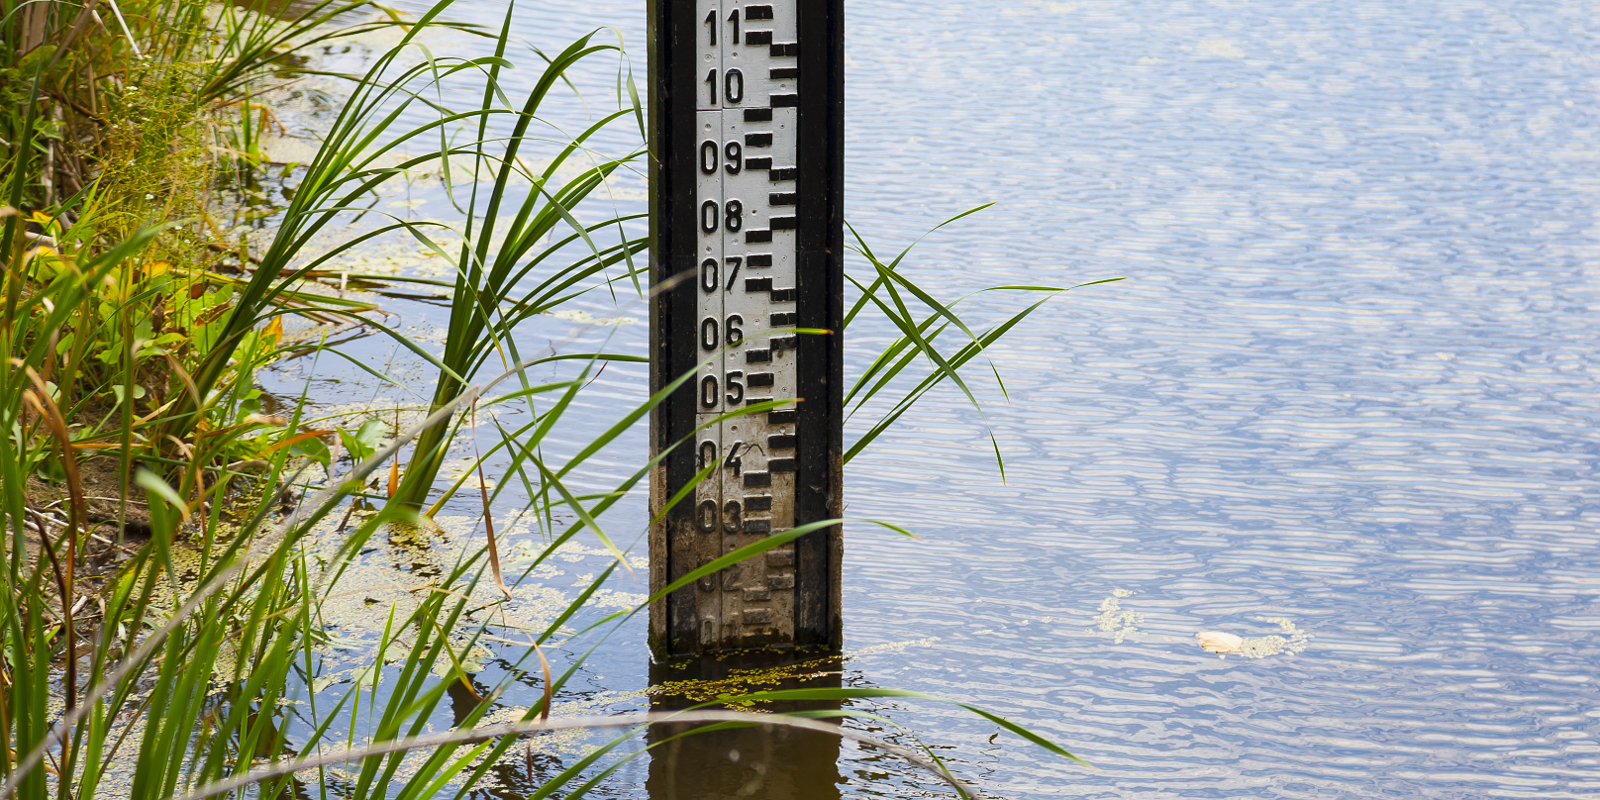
(673, 81)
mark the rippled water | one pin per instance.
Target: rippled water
(1350, 382)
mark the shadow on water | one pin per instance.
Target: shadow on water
(766, 763)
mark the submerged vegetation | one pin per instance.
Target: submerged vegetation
(177, 547)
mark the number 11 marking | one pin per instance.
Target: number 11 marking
(711, 26)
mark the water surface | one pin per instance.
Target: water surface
(1350, 383)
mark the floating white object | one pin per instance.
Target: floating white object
(1220, 643)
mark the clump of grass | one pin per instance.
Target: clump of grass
(189, 721)
(114, 122)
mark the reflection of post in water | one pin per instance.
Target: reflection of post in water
(764, 762)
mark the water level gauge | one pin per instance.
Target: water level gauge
(746, 122)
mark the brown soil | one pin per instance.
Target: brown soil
(102, 492)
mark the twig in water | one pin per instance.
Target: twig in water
(71, 631)
(488, 519)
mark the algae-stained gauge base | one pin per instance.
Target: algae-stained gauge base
(746, 173)
(759, 761)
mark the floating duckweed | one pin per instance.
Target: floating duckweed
(1273, 645)
(892, 647)
(1113, 620)
(580, 316)
(746, 681)
(1226, 644)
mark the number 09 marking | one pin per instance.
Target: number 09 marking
(733, 151)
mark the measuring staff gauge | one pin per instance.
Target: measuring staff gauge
(746, 232)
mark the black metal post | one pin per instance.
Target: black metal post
(747, 193)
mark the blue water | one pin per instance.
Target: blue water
(1350, 382)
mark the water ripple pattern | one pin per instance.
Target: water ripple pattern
(1351, 382)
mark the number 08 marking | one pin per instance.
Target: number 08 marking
(731, 218)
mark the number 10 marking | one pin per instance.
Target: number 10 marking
(732, 86)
